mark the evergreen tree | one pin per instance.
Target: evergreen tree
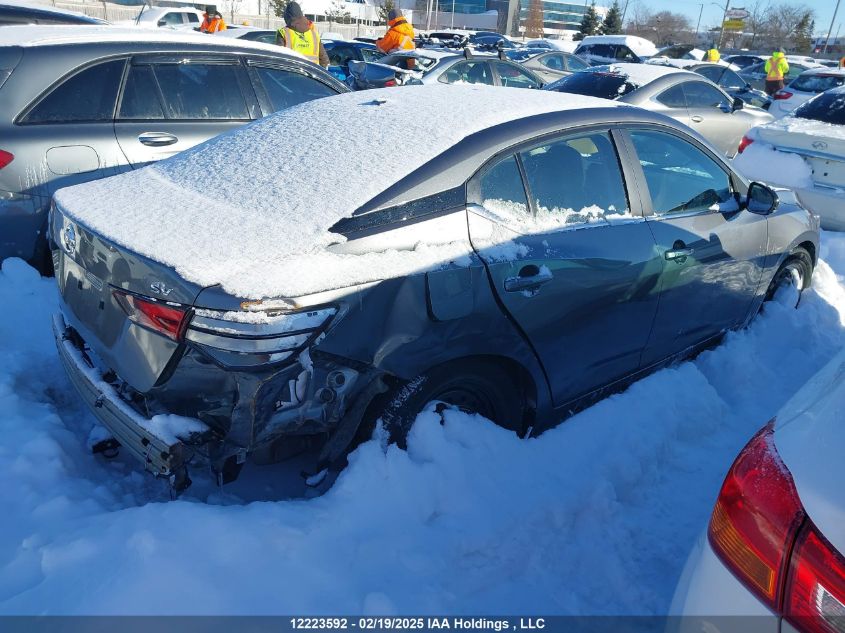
(278, 7)
(590, 23)
(612, 24)
(385, 7)
(802, 36)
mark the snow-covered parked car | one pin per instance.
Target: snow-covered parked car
(804, 87)
(606, 49)
(804, 151)
(168, 17)
(564, 46)
(533, 252)
(685, 96)
(775, 546)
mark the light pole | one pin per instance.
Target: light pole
(698, 24)
(722, 30)
(833, 19)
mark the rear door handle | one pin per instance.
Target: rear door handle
(157, 139)
(529, 278)
(696, 118)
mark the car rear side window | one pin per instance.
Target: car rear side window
(502, 190)
(673, 97)
(87, 96)
(575, 180)
(553, 62)
(204, 91)
(681, 178)
(287, 88)
(512, 76)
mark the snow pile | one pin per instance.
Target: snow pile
(810, 127)
(240, 208)
(760, 161)
(596, 516)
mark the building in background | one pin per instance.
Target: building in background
(560, 19)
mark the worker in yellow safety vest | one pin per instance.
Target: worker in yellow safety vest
(712, 55)
(300, 34)
(776, 69)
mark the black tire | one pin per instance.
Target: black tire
(796, 271)
(486, 388)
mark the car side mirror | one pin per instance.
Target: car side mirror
(761, 199)
(738, 104)
(162, 23)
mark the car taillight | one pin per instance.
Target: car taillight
(815, 590)
(389, 83)
(743, 143)
(756, 518)
(782, 94)
(5, 158)
(163, 317)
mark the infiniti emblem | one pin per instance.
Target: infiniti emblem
(69, 239)
(819, 145)
(160, 288)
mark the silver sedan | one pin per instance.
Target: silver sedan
(685, 96)
(553, 65)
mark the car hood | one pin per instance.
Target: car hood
(242, 209)
(809, 437)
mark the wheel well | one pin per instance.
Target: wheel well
(811, 249)
(518, 373)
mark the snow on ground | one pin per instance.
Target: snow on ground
(594, 517)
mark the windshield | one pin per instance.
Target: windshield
(816, 83)
(593, 84)
(827, 108)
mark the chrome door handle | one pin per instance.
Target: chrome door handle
(530, 278)
(678, 254)
(695, 118)
(157, 139)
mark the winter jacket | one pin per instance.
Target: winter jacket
(212, 24)
(304, 39)
(400, 36)
(776, 67)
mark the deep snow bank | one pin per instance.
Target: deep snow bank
(596, 516)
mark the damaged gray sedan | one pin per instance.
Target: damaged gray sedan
(522, 256)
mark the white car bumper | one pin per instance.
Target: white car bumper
(710, 598)
(826, 202)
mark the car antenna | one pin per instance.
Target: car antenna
(500, 46)
(143, 6)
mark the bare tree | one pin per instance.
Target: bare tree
(662, 28)
(337, 12)
(534, 23)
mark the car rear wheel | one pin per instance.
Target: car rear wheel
(792, 278)
(485, 388)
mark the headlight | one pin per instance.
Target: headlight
(252, 339)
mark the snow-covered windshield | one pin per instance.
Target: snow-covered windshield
(827, 108)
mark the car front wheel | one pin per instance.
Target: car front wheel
(792, 278)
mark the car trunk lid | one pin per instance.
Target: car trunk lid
(825, 155)
(91, 272)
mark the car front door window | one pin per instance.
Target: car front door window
(286, 88)
(512, 76)
(680, 177)
(575, 64)
(201, 91)
(553, 62)
(474, 72)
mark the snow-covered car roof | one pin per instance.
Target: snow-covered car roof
(228, 207)
(640, 45)
(29, 36)
(639, 74)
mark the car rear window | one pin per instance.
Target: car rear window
(604, 85)
(87, 96)
(816, 83)
(827, 108)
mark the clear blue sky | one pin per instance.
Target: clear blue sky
(712, 14)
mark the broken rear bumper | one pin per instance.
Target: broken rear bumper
(159, 456)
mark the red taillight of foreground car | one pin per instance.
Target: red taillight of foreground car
(168, 319)
(782, 94)
(815, 590)
(5, 158)
(756, 519)
(389, 83)
(743, 143)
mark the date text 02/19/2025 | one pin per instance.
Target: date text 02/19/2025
(417, 624)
